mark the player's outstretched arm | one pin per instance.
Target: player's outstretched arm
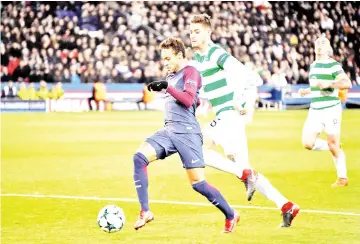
(192, 82)
(304, 91)
(239, 73)
(342, 82)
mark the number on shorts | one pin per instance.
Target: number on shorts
(214, 122)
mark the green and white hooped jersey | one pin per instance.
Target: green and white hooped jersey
(215, 85)
(324, 70)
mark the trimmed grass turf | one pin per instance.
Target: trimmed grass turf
(90, 154)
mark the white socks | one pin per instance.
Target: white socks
(340, 164)
(320, 145)
(214, 159)
(242, 152)
(264, 187)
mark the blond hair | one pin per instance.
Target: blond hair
(201, 19)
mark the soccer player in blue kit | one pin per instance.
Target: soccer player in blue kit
(181, 134)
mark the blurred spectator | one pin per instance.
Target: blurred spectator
(66, 77)
(85, 41)
(56, 92)
(23, 93)
(75, 78)
(43, 92)
(21, 71)
(116, 77)
(278, 78)
(135, 77)
(32, 93)
(326, 22)
(303, 78)
(9, 90)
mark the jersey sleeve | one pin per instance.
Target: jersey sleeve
(222, 59)
(192, 79)
(192, 83)
(337, 71)
(219, 56)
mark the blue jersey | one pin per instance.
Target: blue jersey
(181, 101)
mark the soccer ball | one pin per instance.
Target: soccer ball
(111, 218)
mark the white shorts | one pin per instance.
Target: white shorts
(227, 130)
(328, 119)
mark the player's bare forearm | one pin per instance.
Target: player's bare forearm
(307, 91)
(343, 83)
(304, 91)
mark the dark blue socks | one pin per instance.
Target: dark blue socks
(141, 180)
(215, 197)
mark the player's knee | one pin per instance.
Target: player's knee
(308, 144)
(195, 175)
(207, 142)
(333, 145)
(148, 152)
(199, 186)
(140, 159)
(231, 157)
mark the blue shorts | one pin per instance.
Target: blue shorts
(189, 147)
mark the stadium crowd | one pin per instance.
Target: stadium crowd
(116, 42)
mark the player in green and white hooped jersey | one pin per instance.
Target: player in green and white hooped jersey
(326, 78)
(221, 75)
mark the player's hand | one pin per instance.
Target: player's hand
(242, 111)
(158, 85)
(241, 108)
(303, 91)
(323, 84)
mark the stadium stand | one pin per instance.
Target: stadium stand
(116, 42)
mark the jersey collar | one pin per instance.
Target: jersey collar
(209, 45)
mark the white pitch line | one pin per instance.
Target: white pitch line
(165, 202)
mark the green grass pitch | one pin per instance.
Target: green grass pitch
(90, 154)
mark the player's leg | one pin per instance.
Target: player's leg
(229, 132)
(237, 147)
(235, 144)
(312, 128)
(289, 209)
(145, 105)
(214, 135)
(332, 128)
(138, 104)
(203, 108)
(199, 184)
(189, 149)
(144, 155)
(232, 137)
(339, 160)
(158, 146)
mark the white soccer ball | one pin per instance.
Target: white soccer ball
(111, 218)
